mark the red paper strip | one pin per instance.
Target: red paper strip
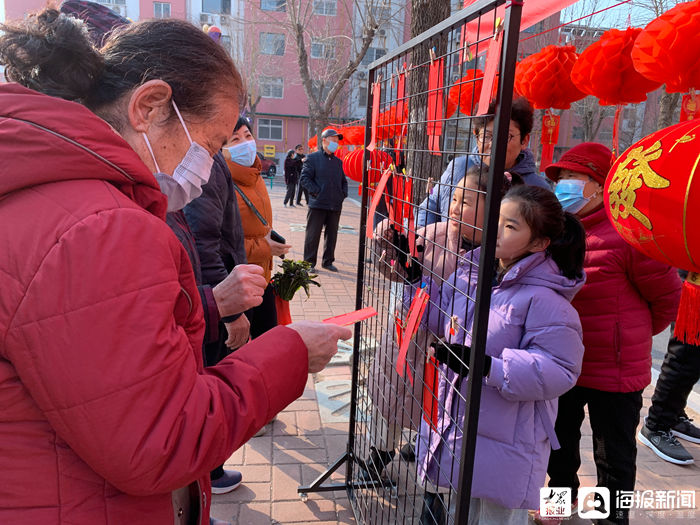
(533, 11)
(352, 317)
(400, 111)
(547, 156)
(435, 103)
(415, 314)
(430, 391)
(493, 57)
(378, 192)
(376, 98)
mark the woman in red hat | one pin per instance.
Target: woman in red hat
(627, 299)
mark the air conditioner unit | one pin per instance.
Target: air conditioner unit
(119, 9)
(381, 32)
(362, 75)
(205, 18)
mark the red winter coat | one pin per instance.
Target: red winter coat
(627, 298)
(106, 408)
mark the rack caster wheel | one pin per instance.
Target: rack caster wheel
(304, 497)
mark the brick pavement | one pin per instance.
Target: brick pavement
(300, 446)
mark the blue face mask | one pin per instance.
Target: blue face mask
(243, 153)
(332, 146)
(570, 194)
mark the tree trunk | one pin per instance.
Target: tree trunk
(424, 15)
(668, 103)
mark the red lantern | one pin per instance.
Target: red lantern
(465, 93)
(544, 78)
(668, 49)
(605, 70)
(353, 135)
(379, 161)
(654, 205)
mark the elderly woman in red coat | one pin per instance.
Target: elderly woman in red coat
(627, 299)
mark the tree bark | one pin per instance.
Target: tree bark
(424, 15)
(668, 103)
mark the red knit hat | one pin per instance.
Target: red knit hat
(589, 158)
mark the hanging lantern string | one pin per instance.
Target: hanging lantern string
(577, 20)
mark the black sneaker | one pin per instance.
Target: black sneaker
(685, 429)
(330, 267)
(665, 445)
(372, 468)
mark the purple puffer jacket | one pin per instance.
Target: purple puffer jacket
(535, 341)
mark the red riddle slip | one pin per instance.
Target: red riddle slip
(352, 317)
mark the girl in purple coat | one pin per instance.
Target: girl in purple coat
(533, 355)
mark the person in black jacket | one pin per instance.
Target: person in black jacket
(300, 189)
(215, 220)
(323, 176)
(292, 170)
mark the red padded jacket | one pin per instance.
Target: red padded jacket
(627, 298)
(106, 408)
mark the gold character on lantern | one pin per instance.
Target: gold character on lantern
(629, 177)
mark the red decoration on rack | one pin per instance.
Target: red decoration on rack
(652, 196)
(413, 318)
(378, 193)
(668, 49)
(544, 78)
(493, 57)
(435, 102)
(376, 98)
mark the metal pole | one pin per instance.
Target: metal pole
(359, 290)
(487, 261)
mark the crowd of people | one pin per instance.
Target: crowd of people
(140, 343)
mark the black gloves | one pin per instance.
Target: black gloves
(456, 357)
(413, 270)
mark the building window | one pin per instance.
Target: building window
(373, 53)
(273, 5)
(272, 43)
(362, 94)
(161, 9)
(577, 133)
(326, 7)
(269, 129)
(272, 87)
(216, 7)
(322, 49)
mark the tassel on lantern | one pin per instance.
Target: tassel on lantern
(688, 319)
(549, 139)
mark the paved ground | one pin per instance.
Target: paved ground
(302, 443)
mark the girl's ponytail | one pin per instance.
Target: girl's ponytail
(569, 249)
(51, 53)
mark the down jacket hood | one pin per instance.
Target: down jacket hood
(33, 124)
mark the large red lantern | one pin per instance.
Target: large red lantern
(379, 161)
(544, 78)
(604, 69)
(668, 49)
(652, 195)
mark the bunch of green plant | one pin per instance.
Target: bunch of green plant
(294, 275)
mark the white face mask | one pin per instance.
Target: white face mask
(243, 153)
(189, 176)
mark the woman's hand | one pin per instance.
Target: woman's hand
(238, 332)
(276, 248)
